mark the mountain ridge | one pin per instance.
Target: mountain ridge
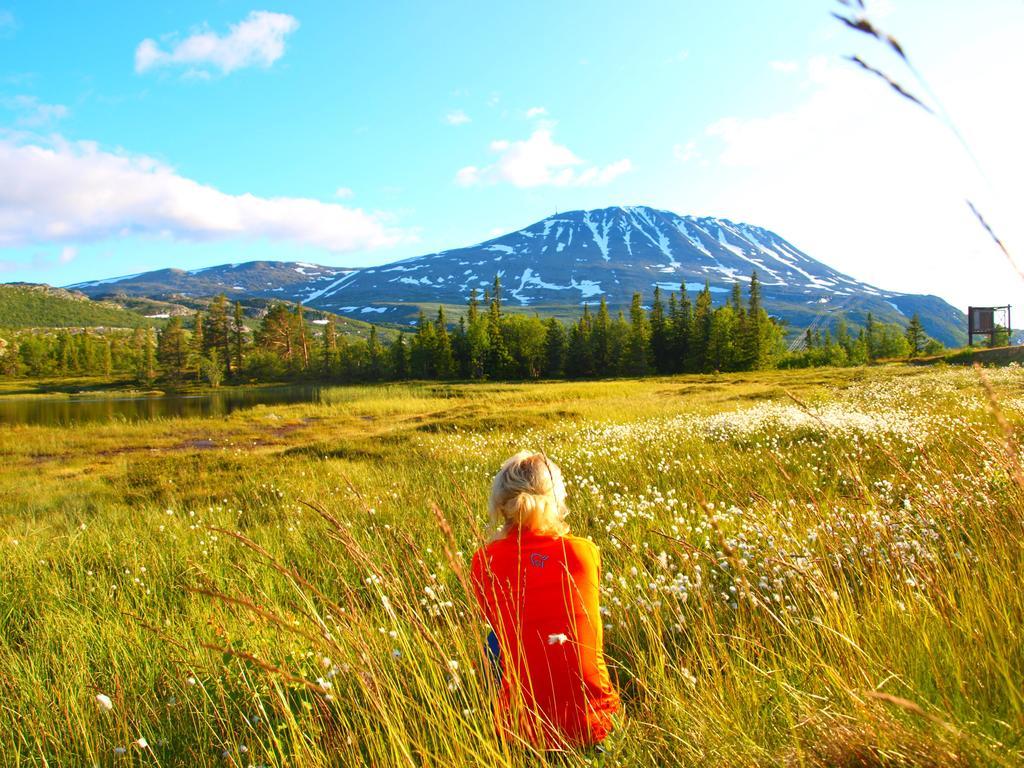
(557, 264)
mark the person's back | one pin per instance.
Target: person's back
(539, 590)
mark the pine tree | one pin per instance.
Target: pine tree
(682, 332)
(146, 372)
(197, 346)
(477, 348)
(754, 300)
(300, 332)
(554, 349)
(600, 340)
(275, 333)
(739, 331)
(217, 334)
(579, 360)
(375, 356)
(213, 369)
(172, 350)
(342, 355)
(329, 362)
(619, 343)
(10, 357)
(498, 359)
(721, 340)
(843, 337)
(238, 326)
(138, 344)
(753, 351)
(421, 352)
(639, 338)
(736, 298)
(400, 358)
(916, 336)
(69, 359)
(859, 352)
(660, 348)
(871, 336)
(670, 324)
(700, 332)
(460, 349)
(86, 352)
(444, 360)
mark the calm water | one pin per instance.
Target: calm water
(60, 410)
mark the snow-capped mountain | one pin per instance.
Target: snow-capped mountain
(287, 280)
(567, 260)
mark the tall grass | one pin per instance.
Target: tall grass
(818, 569)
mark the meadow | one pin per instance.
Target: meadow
(801, 568)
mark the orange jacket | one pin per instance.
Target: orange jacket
(540, 596)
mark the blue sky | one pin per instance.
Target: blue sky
(135, 136)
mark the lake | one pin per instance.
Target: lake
(61, 411)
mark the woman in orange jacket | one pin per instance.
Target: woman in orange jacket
(537, 586)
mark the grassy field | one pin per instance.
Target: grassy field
(810, 568)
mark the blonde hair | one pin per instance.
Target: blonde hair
(528, 492)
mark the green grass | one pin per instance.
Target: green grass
(968, 356)
(809, 568)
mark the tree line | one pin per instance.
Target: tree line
(671, 336)
(874, 341)
(37, 353)
(674, 334)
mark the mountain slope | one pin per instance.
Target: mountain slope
(561, 262)
(25, 305)
(292, 281)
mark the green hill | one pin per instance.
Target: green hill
(24, 305)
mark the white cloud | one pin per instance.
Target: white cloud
(535, 112)
(67, 254)
(685, 152)
(874, 186)
(456, 117)
(343, 193)
(8, 24)
(598, 177)
(31, 112)
(539, 161)
(75, 192)
(786, 67)
(259, 40)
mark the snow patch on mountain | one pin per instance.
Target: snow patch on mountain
(332, 288)
(108, 281)
(600, 233)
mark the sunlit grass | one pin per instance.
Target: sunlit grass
(816, 568)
